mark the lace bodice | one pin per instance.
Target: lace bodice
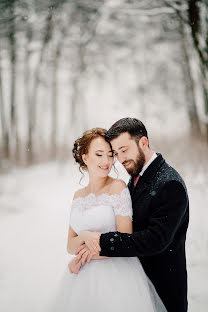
(97, 213)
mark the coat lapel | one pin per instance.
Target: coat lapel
(139, 189)
(131, 185)
(146, 178)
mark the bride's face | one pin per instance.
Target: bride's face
(99, 159)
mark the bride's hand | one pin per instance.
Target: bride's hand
(74, 266)
(83, 254)
(91, 240)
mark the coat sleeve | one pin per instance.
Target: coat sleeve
(170, 205)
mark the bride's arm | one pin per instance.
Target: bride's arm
(74, 241)
(91, 239)
(123, 225)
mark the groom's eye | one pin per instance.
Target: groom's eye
(98, 155)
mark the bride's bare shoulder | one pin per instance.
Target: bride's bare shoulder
(79, 193)
(117, 186)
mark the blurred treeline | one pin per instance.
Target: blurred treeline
(49, 50)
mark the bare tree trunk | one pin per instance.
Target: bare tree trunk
(74, 99)
(5, 135)
(34, 95)
(189, 84)
(54, 110)
(194, 23)
(77, 92)
(85, 38)
(13, 107)
(27, 80)
(76, 112)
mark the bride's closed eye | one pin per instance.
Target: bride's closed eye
(102, 155)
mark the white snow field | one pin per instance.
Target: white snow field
(34, 218)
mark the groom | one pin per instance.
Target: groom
(160, 214)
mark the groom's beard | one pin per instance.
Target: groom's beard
(137, 164)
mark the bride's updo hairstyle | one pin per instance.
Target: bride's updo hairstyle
(81, 145)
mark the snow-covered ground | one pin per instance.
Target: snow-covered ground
(34, 218)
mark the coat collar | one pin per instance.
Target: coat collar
(146, 178)
(151, 171)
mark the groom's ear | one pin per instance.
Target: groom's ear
(143, 142)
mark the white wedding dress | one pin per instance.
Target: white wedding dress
(116, 284)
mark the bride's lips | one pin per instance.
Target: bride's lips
(105, 168)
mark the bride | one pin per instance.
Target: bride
(104, 205)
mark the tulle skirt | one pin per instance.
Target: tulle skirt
(113, 284)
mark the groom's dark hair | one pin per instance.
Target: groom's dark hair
(133, 126)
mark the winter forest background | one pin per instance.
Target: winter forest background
(67, 66)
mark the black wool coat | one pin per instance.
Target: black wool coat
(160, 220)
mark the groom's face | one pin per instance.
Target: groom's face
(129, 153)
